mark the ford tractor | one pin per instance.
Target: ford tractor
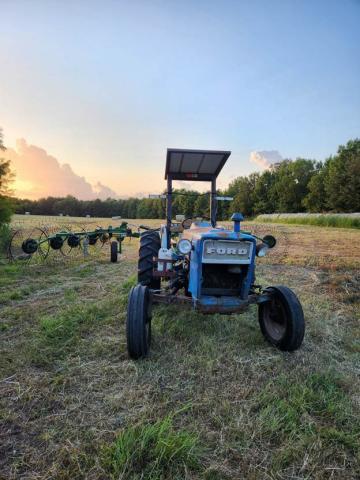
(207, 267)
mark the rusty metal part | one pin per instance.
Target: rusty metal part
(169, 299)
(167, 274)
(164, 273)
(228, 309)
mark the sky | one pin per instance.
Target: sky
(93, 92)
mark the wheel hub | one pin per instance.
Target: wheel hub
(73, 241)
(29, 246)
(56, 243)
(275, 321)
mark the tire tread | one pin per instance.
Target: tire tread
(114, 251)
(137, 342)
(149, 248)
(294, 336)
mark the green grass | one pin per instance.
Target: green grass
(16, 294)
(153, 451)
(74, 406)
(70, 328)
(5, 235)
(10, 272)
(325, 220)
(298, 415)
(60, 333)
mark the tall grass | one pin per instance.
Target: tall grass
(338, 220)
(5, 234)
(152, 451)
(60, 333)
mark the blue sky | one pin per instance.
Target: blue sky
(107, 86)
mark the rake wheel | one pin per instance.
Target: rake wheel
(43, 244)
(71, 243)
(25, 244)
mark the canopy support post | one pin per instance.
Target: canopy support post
(213, 202)
(169, 208)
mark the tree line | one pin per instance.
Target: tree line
(303, 185)
(300, 185)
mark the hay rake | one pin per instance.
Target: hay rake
(27, 244)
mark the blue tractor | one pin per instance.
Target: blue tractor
(210, 268)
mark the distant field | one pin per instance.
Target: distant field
(213, 401)
(47, 220)
(36, 220)
(301, 244)
(338, 220)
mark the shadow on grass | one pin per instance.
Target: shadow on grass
(205, 333)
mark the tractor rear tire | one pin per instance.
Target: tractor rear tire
(114, 251)
(138, 322)
(150, 244)
(282, 319)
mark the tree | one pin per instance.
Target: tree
(183, 202)
(5, 180)
(315, 200)
(202, 206)
(144, 208)
(68, 206)
(224, 208)
(291, 184)
(263, 200)
(242, 189)
(342, 183)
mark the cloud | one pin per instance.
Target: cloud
(265, 158)
(179, 184)
(193, 186)
(102, 191)
(38, 174)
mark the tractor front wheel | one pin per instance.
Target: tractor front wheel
(138, 322)
(282, 319)
(114, 251)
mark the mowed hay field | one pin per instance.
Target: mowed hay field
(213, 400)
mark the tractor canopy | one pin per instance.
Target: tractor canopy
(194, 165)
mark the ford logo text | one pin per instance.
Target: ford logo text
(226, 251)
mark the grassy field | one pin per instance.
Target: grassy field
(338, 220)
(213, 401)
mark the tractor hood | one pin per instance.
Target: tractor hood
(198, 230)
(202, 230)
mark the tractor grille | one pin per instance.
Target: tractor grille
(227, 252)
(224, 266)
(220, 279)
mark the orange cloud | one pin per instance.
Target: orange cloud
(39, 175)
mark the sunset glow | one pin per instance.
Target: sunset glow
(99, 93)
(24, 188)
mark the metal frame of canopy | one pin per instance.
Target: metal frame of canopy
(193, 165)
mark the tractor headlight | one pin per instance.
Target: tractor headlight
(261, 249)
(184, 246)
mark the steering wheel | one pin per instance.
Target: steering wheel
(188, 221)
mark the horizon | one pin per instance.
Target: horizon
(96, 95)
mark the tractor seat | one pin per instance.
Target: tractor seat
(200, 224)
